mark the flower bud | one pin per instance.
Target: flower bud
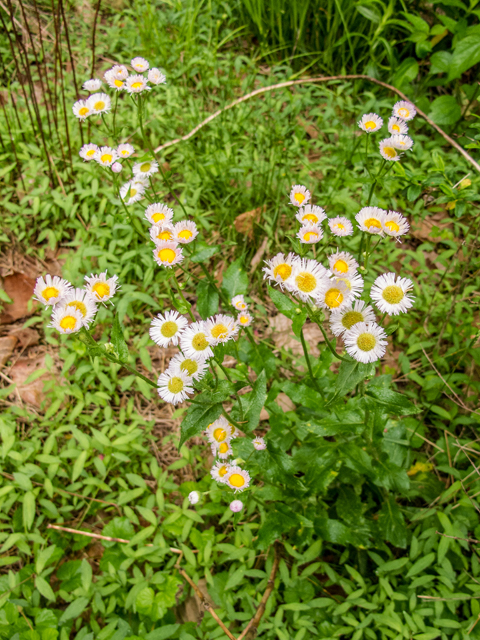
(109, 348)
(236, 506)
(193, 497)
(116, 167)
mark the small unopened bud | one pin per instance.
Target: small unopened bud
(193, 497)
(236, 506)
(259, 444)
(298, 311)
(101, 456)
(116, 167)
(109, 348)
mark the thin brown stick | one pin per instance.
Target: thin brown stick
(205, 603)
(457, 538)
(93, 36)
(291, 83)
(250, 630)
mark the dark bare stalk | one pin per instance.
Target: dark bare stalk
(93, 36)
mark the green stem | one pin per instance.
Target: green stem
(231, 420)
(187, 304)
(115, 114)
(309, 365)
(227, 375)
(313, 316)
(367, 249)
(214, 374)
(132, 370)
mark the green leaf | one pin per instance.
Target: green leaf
(118, 528)
(283, 303)
(234, 579)
(349, 375)
(197, 418)
(257, 400)
(421, 565)
(144, 601)
(235, 279)
(445, 110)
(203, 252)
(79, 465)
(86, 573)
(44, 588)
(395, 403)
(74, 609)
(303, 395)
(465, 55)
(207, 299)
(43, 558)
(28, 509)
(392, 565)
(392, 523)
(118, 340)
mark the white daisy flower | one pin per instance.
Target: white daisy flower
(145, 169)
(161, 233)
(354, 283)
(239, 303)
(88, 151)
(105, 156)
(168, 254)
(279, 269)
(194, 341)
(140, 65)
(113, 81)
(370, 122)
(132, 192)
(166, 329)
(259, 444)
(365, 342)
(66, 320)
(404, 143)
(219, 471)
(370, 220)
(299, 195)
(119, 71)
(185, 231)
(333, 294)
(237, 479)
(51, 289)
(82, 301)
(125, 150)
(236, 506)
(404, 110)
(158, 213)
(244, 319)
(311, 214)
(92, 85)
(155, 76)
(391, 294)
(307, 279)
(174, 386)
(342, 264)
(395, 225)
(193, 497)
(195, 367)
(100, 287)
(342, 320)
(340, 226)
(219, 431)
(388, 150)
(397, 126)
(99, 103)
(136, 84)
(82, 110)
(220, 328)
(222, 450)
(310, 234)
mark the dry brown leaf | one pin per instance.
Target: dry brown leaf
(422, 229)
(7, 345)
(283, 336)
(33, 391)
(245, 221)
(19, 288)
(257, 258)
(26, 337)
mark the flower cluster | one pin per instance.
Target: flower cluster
(391, 148)
(74, 308)
(168, 237)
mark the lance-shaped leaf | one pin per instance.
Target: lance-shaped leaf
(257, 400)
(197, 418)
(207, 299)
(118, 340)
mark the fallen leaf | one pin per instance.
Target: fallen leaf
(424, 229)
(7, 345)
(245, 221)
(283, 336)
(26, 337)
(257, 258)
(33, 391)
(19, 288)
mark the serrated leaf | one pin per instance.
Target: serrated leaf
(235, 279)
(197, 418)
(118, 340)
(392, 523)
(349, 375)
(257, 400)
(207, 299)
(393, 402)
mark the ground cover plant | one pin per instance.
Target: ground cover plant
(357, 521)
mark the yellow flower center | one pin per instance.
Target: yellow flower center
(236, 480)
(366, 341)
(165, 235)
(175, 385)
(403, 112)
(395, 127)
(68, 322)
(223, 448)
(133, 192)
(106, 157)
(190, 366)
(306, 282)
(370, 124)
(310, 235)
(393, 226)
(145, 167)
(219, 331)
(83, 111)
(373, 222)
(90, 152)
(220, 434)
(299, 197)
(98, 106)
(79, 306)
(390, 152)
(333, 298)
(341, 266)
(101, 289)
(185, 234)
(393, 294)
(157, 217)
(244, 319)
(118, 83)
(167, 255)
(50, 292)
(169, 329)
(339, 225)
(311, 217)
(283, 270)
(137, 85)
(199, 342)
(351, 318)
(223, 471)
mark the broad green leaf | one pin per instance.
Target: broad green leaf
(465, 56)
(74, 610)
(28, 509)
(197, 419)
(43, 558)
(350, 374)
(445, 110)
(207, 299)
(44, 588)
(303, 395)
(203, 252)
(86, 573)
(392, 523)
(118, 528)
(394, 402)
(118, 340)
(257, 400)
(144, 601)
(235, 279)
(283, 303)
